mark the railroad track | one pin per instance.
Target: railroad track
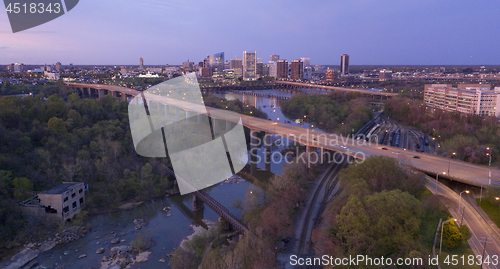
(330, 179)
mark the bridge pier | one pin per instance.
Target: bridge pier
(229, 126)
(100, 92)
(167, 112)
(253, 150)
(197, 203)
(114, 94)
(124, 97)
(322, 155)
(215, 125)
(267, 151)
(176, 112)
(226, 225)
(89, 93)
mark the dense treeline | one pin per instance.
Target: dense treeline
(330, 111)
(45, 141)
(56, 136)
(379, 213)
(466, 135)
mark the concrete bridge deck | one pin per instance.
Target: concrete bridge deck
(460, 171)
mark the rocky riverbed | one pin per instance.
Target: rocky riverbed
(30, 251)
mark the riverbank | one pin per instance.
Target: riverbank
(25, 257)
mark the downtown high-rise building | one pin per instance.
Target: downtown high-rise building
(237, 65)
(344, 64)
(259, 69)
(282, 69)
(274, 58)
(141, 63)
(58, 66)
(17, 67)
(306, 61)
(249, 65)
(273, 70)
(297, 70)
(216, 63)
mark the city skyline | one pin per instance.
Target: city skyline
(389, 33)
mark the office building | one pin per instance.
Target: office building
(274, 57)
(306, 61)
(344, 64)
(141, 63)
(308, 73)
(273, 71)
(477, 99)
(188, 66)
(249, 65)
(237, 66)
(216, 63)
(58, 66)
(282, 69)
(332, 75)
(17, 67)
(385, 75)
(206, 72)
(297, 72)
(259, 68)
(265, 70)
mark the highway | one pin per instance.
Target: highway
(333, 88)
(461, 171)
(478, 225)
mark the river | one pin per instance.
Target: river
(171, 227)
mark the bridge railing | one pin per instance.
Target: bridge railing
(222, 211)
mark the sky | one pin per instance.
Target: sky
(388, 32)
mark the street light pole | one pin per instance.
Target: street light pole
(481, 194)
(449, 162)
(489, 166)
(442, 226)
(460, 200)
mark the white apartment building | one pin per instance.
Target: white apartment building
(478, 99)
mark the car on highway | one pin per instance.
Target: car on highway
(385, 148)
(292, 135)
(416, 157)
(342, 146)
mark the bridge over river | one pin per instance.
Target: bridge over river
(326, 143)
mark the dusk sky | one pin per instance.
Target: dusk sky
(423, 32)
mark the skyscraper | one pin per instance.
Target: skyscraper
(282, 69)
(216, 63)
(275, 57)
(141, 63)
(236, 65)
(58, 66)
(273, 71)
(249, 65)
(258, 69)
(297, 70)
(344, 64)
(306, 61)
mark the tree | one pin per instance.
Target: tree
(452, 237)
(22, 185)
(57, 127)
(394, 221)
(353, 226)
(464, 230)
